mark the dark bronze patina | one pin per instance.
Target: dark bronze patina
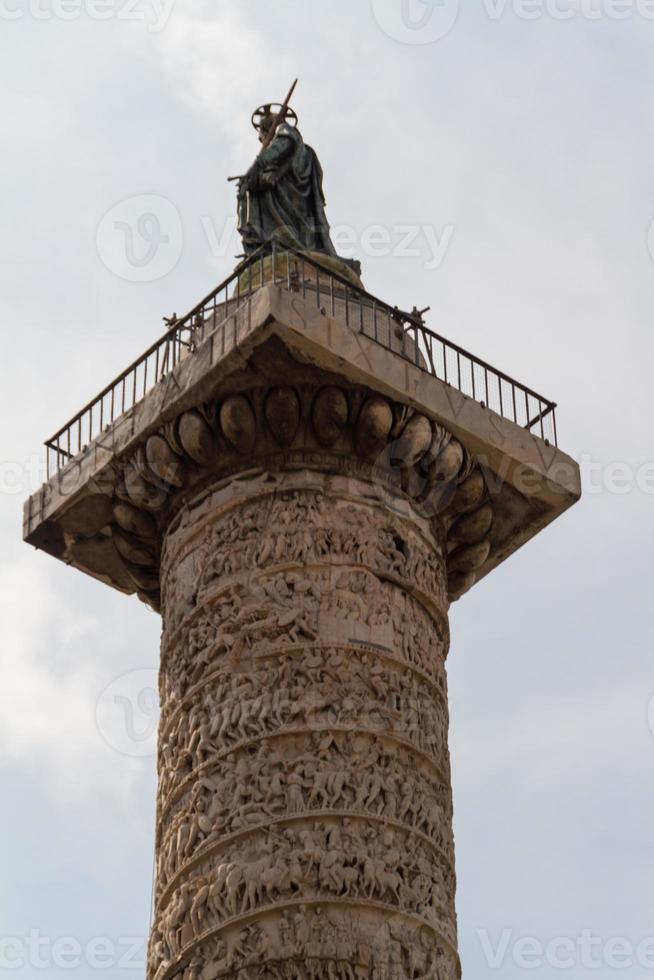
(280, 199)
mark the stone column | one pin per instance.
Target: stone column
(304, 812)
(301, 503)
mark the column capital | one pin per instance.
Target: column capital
(281, 384)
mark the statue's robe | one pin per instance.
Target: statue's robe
(281, 199)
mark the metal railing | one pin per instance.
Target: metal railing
(403, 333)
(124, 392)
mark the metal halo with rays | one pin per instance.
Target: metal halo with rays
(272, 109)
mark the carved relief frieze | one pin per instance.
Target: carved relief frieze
(303, 757)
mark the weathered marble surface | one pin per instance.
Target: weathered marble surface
(304, 813)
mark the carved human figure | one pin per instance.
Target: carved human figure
(303, 751)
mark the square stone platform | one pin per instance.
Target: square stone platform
(530, 482)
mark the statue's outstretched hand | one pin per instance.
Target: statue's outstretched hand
(253, 178)
(258, 179)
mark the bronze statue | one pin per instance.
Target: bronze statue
(280, 199)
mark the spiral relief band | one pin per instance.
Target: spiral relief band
(304, 815)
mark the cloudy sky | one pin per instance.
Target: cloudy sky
(513, 142)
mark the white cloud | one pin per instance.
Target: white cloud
(221, 65)
(53, 668)
(40, 706)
